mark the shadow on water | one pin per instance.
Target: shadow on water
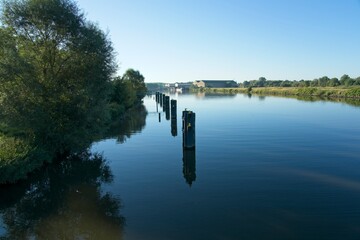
(133, 122)
(64, 199)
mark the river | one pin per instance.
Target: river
(263, 168)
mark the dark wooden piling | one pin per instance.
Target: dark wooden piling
(167, 107)
(157, 97)
(173, 107)
(188, 128)
(163, 99)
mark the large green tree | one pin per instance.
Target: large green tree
(137, 81)
(127, 92)
(55, 71)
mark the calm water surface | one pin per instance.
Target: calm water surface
(263, 168)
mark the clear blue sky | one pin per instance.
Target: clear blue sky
(184, 40)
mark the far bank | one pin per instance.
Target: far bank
(331, 92)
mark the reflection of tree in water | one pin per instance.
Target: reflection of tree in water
(350, 101)
(133, 122)
(64, 201)
(211, 95)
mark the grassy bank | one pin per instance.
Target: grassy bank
(330, 92)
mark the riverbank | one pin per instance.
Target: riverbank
(330, 92)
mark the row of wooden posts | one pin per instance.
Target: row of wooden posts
(188, 119)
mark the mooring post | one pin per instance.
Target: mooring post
(163, 99)
(173, 108)
(167, 102)
(160, 99)
(167, 107)
(188, 128)
(157, 97)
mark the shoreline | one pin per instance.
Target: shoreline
(329, 92)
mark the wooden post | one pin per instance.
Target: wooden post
(167, 107)
(163, 99)
(174, 127)
(188, 128)
(173, 108)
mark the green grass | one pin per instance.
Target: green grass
(333, 92)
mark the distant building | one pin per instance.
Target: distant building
(215, 83)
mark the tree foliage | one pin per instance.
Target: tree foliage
(55, 71)
(55, 79)
(137, 81)
(127, 91)
(56, 87)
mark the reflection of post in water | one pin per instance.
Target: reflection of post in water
(173, 117)
(173, 127)
(159, 117)
(189, 165)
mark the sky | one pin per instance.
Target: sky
(186, 40)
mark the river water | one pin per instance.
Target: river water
(263, 168)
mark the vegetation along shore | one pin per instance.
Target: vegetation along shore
(329, 92)
(345, 87)
(58, 86)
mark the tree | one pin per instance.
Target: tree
(333, 82)
(55, 71)
(324, 81)
(345, 80)
(261, 82)
(137, 81)
(246, 84)
(314, 83)
(357, 81)
(122, 97)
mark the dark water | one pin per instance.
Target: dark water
(263, 168)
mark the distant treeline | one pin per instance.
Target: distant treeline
(325, 81)
(153, 87)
